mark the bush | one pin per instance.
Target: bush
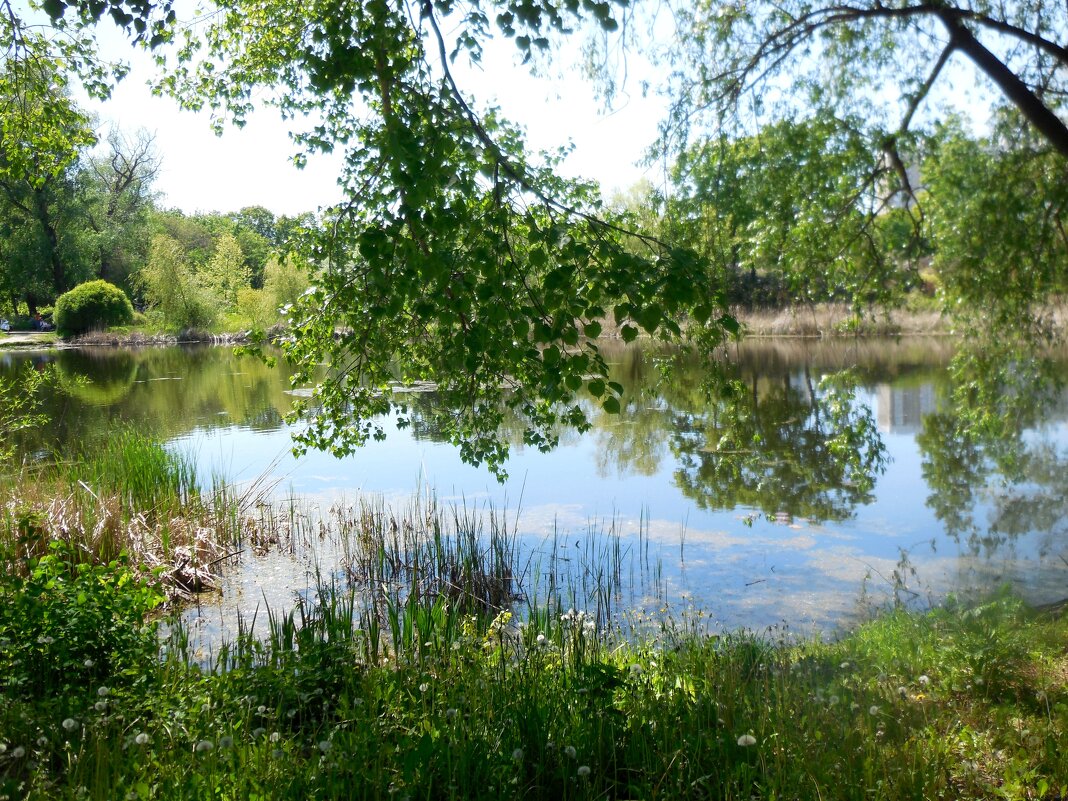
(95, 305)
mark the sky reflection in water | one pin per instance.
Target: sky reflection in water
(757, 532)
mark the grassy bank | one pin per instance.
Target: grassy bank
(431, 672)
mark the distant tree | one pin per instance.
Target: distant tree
(42, 133)
(225, 273)
(119, 182)
(170, 286)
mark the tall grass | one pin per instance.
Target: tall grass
(450, 659)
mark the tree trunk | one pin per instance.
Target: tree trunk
(1037, 113)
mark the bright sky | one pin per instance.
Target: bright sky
(252, 165)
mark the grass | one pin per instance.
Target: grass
(446, 664)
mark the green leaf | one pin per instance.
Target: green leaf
(611, 405)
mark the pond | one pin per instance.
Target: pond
(799, 501)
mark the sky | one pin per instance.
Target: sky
(253, 165)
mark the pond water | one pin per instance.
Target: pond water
(792, 502)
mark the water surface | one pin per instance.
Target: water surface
(787, 503)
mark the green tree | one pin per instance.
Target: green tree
(225, 273)
(170, 286)
(42, 133)
(456, 259)
(883, 72)
(119, 187)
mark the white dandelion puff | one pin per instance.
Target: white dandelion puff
(517, 755)
(584, 770)
(70, 724)
(570, 751)
(746, 740)
(204, 746)
(141, 738)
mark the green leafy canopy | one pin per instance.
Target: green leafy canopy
(456, 260)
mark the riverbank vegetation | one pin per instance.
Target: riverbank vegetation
(466, 678)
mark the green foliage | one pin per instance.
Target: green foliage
(170, 286)
(795, 206)
(458, 259)
(92, 306)
(225, 274)
(65, 622)
(20, 408)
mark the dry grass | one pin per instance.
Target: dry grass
(834, 320)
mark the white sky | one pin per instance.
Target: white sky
(252, 165)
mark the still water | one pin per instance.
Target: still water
(791, 502)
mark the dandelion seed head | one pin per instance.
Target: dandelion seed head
(259, 731)
(902, 692)
(261, 710)
(746, 740)
(451, 713)
(833, 700)
(226, 742)
(570, 751)
(104, 692)
(275, 737)
(583, 770)
(873, 710)
(100, 706)
(924, 680)
(424, 687)
(517, 755)
(204, 746)
(89, 663)
(325, 746)
(42, 741)
(70, 724)
(18, 752)
(141, 738)
(635, 670)
(541, 640)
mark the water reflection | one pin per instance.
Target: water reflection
(763, 487)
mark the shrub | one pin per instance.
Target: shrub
(95, 305)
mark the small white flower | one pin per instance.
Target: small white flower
(70, 724)
(873, 710)
(325, 746)
(924, 680)
(517, 755)
(104, 692)
(570, 751)
(89, 663)
(18, 753)
(275, 737)
(541, 640)
(142, 738)
(746, 740)
(261, 710)
(424, 687)
(226, 742)
(584, 770)
(902, 692)
(204, 746)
